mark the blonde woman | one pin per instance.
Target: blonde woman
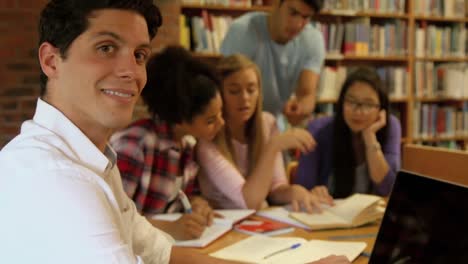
(243, 166)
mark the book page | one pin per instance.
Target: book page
(344, 213)
(255, 248)
(281, 214)
(317, 249)
(318, 220)
(350, 207)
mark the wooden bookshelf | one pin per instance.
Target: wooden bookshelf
(351, 13)
(405, 105)
(441, 19)
(440, 99)
(375, 58)
(443, 59)
(335, 57)
(442, 138)
(405, 140)
(392, 100)
(226, 8)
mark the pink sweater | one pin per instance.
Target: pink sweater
(221, 183)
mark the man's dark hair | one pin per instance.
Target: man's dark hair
(315, 4)
(179, 86)
(62, 21)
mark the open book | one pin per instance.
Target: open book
(291, 250)
(219, 227)
(281, 214)
(356, 210)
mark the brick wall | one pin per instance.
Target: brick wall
(19, 69)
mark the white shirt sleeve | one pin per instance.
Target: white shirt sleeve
(152, 244)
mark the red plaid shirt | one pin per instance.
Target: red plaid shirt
(150, 161)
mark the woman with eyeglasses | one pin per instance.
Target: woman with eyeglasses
(358, 149)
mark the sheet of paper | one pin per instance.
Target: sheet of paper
(220, 226)
(324, 218)
(253, 249)
(317, 249)
(209, 235)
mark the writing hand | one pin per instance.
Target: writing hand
(203, 208)
(188, 226)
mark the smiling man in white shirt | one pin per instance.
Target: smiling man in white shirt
(61, 193)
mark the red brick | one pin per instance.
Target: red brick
(19, 69)
(5, 4)
(32, 4)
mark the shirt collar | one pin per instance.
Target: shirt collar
(81, 146)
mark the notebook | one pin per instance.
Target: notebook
(291, 250)
(356, 210)
(219, 227)
(426, 221)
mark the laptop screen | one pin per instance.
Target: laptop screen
(426, 221)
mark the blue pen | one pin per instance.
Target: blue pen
(282, 250)
(185, 202)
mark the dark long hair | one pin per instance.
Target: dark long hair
(344, 160)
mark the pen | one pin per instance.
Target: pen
(185, 202)
(282, 250)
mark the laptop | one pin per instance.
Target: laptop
(426, 221)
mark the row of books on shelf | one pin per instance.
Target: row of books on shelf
(229, 3)
(446, 8)
(440, 41)
(357, 37)
(205, 33)
(379, 6)
(439, 121)
(395, 80)
(360, 37)
(445, 80)
(450, 144)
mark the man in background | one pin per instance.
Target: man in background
(289, 52)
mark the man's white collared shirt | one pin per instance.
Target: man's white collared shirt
(62, 201)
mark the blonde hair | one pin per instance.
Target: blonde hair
(254, 128)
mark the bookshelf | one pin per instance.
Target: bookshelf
(408, 20)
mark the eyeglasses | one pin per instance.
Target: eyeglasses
(364, 107)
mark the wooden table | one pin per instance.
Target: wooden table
(368, 234)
